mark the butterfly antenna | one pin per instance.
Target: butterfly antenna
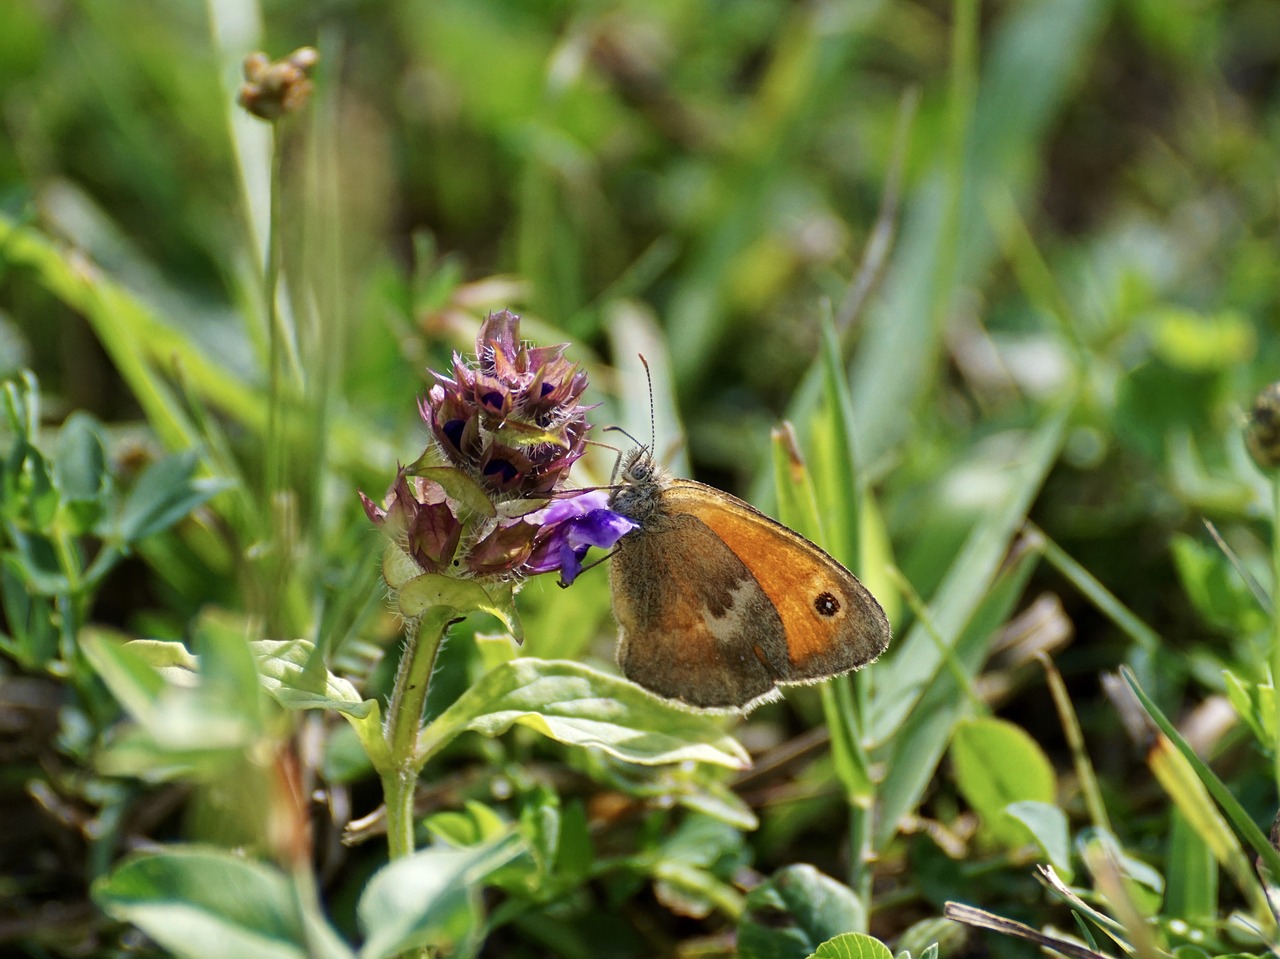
(618, 462)
(619, 429)
(653, 432)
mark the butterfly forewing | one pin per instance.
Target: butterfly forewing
(832, 623)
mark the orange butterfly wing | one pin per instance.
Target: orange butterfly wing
(832, 623)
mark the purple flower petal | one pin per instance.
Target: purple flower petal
(569, 506)
(571, 527)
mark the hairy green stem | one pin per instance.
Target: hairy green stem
(404, 724)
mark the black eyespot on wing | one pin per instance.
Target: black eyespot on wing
(826, 604)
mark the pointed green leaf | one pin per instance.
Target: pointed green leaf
(1235, 812)
(80, 470)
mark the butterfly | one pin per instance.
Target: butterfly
(718, 604)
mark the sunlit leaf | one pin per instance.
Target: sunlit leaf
(996, 764)
(579, 706)
(852, 945)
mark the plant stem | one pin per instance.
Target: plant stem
(1275, 619)
(404, 723)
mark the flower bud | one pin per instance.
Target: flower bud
(272, 89)
(1262, 432)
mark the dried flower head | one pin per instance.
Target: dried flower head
(272, 89)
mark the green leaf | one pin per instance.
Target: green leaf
(852, 945)
(398, 567)
(1178, 778)
(1216, 589)
(840, 485)
(428, 899)
(38, 563)
(693, 865)
(693, 891)
(717, 800)
(228, 675)
(181, 723)
(170, 659)
(1193, 887)
(579, 706)
(166, 491)
(29, 493)
(132, 680)
(575, 852)
(998, 763)
(796, 910)
(80, 471)
(1255, 704)
(1048, 827)
(434, 591)
(798, 508)
(479, 824)
(286, 669)
(283, 671)
(21, 398)
(29, 617)
(540, 821)
(208, 904)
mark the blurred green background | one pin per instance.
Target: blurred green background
(1011, 209)
(700, 182)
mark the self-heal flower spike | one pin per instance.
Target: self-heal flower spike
(513, 420)
(506, 429)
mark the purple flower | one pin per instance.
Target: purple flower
(569, 528)
(511, 419)
(506, 428)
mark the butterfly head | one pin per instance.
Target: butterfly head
(640, 480)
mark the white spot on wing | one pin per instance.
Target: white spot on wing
(734, 622)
